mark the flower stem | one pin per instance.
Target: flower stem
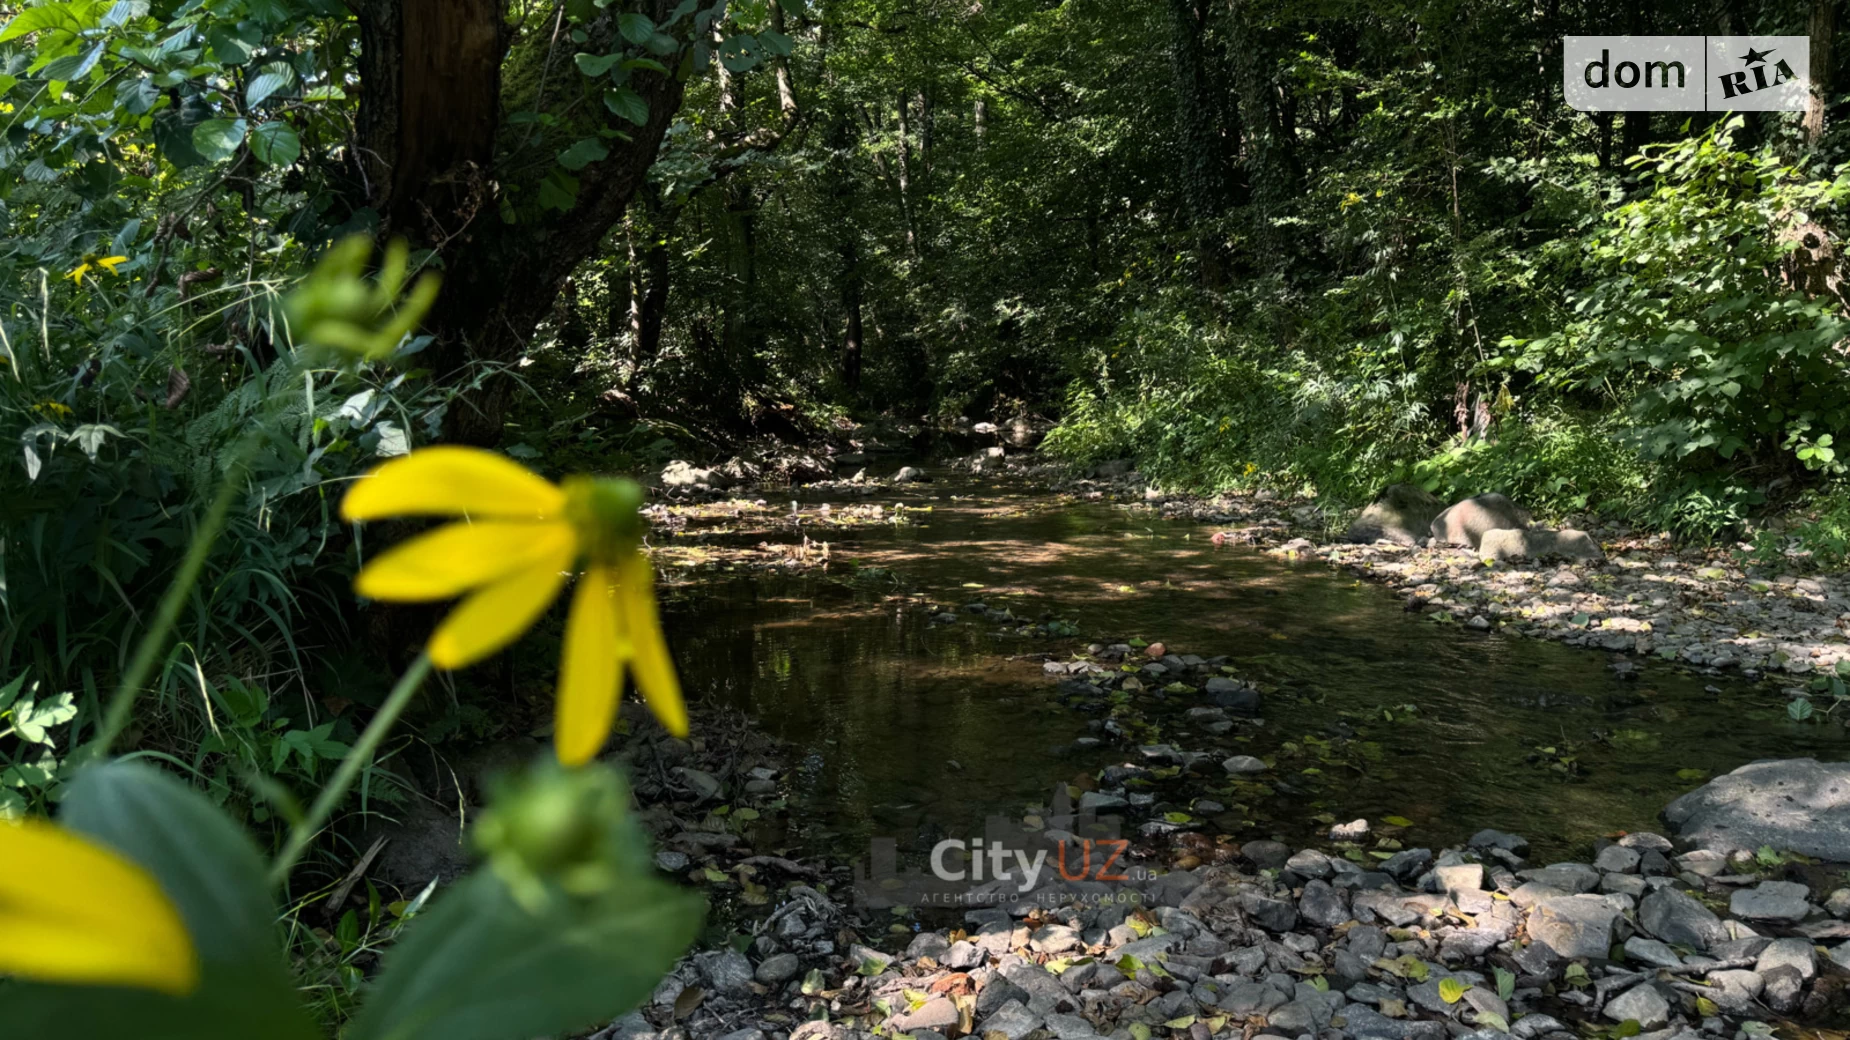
(358, 758)
(122, 704)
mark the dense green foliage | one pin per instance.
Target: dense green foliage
(1316, 247)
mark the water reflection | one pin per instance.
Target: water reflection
(912, 729)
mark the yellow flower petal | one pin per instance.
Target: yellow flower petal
(590, 672)
(458, 557)
(452, 481)
(73, 911)
(76, 274)
(650, 663)
(109, 263)
(497, 614)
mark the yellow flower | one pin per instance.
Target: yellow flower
(73, 911)
(53, 409)
(91, 261)
(508, 557)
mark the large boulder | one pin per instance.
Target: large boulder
(1401, 513)
(1465, 523)
(1516, 543)
(1795, 804)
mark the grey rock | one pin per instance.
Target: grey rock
(1266, 855)
(1460, 877)
(1299, 1016)
(1645, 841)
(1568, 877)
(1629, 885)
(1528, 1027)
(1837, 904)
(1651, 952)
(1070, 1027)
(1274, 915)
(1800, 804)
(1354, 830)
(779, 968)
(728, 972)
(1797, 954)
(1465, 523)
(1401, 513)
(1013, 1020)
(963, 955)
(1530, 893)
(928, 944)
(1408, 864)
(1642, 1004)
(938, 1013)
(1618, 859)
(1735, 990)
(1310, 864)
(1493, 839)
(1099, 802)
(1323, 905)
(1240, 765)
(998, 992)
(1786, 901)
(1573, 926)
(671, 861)
(1782, 989)
(1232, 695)
(1674, 917)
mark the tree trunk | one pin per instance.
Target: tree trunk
(905, 175)
(437, 158)
(1823, 28)
(851, 302)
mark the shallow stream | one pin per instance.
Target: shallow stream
(912, 728)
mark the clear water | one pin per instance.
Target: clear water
(912, 729)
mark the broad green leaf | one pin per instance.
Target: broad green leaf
(209, 868)
(218, 139)
(1506, 985)
(628, 104)
(1451, 990)
(596, 64)
(270, 80)
(777, 43)
(479, 966)
(1493, 1020)
(63, 17)
(74, 66)
(636, 28)
(229, 45)
(137, 95)
(583, 152)
(1398, 821)
(276, 144)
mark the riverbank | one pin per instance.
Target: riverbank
(801, 947)
(1648, 597)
